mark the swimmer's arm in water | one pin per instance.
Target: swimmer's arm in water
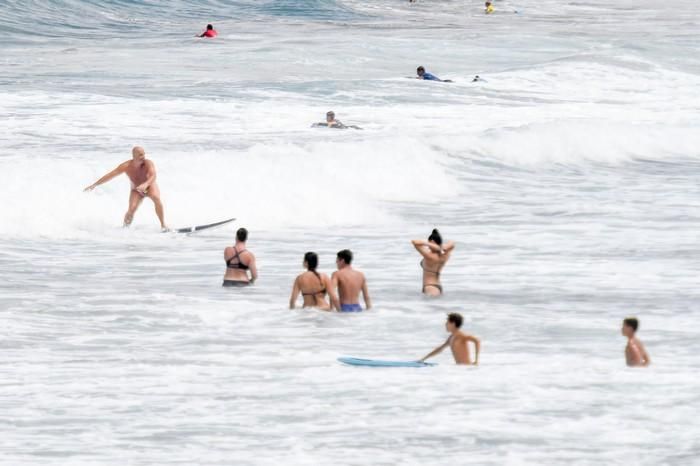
(477, 347)
(253, 266)
(151, 174)
(114, 173)
(295, 294)
(328, 283)
(332, 291)
(365, 294)
(647, 361)
(437, 350)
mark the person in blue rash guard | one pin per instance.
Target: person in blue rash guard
(422, 74)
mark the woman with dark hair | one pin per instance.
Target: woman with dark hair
(435, 256)
(239, 261)
(313, 286)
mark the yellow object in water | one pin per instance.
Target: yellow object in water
(489, 9)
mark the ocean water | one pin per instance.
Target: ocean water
(568, 180)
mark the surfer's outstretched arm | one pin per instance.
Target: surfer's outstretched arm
(114, 173)
(436, 351)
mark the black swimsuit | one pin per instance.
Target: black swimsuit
(238, 265)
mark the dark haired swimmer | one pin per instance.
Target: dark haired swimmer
(142, 174)
(331, 122)
(435, 256)
(635, 354)
(349, 283)
(422, 74)
(239, 261)
(313, 286)
(458, 342)
(210, 32)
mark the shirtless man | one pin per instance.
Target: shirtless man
(458, 342)
(635, 354)
(142, 174)
(349, 283)
(331, 122)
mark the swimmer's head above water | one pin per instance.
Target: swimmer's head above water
(344, 258)
(138, 154)
(630, 326)
(242, 235)
(454, 322)
(311, 261)
(420, 71)
(330, 116)
(435, 237)
(210, 27)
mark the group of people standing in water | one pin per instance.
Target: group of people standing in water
(341, 291)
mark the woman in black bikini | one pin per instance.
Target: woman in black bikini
(239, 261)
(312, 285)
(435, 256)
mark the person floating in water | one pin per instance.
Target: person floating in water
(210, 32)
(422, 74)
(313, 286)
(239, 261)
(349, 283)
(331, 122)
(458, 342)
(142, 174)
(635, 354)
(489, 7)
(435, 256)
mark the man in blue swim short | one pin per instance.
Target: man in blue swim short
(349, 283)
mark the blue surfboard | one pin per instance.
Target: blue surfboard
(381, 363)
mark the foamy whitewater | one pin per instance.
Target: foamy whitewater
(569, 180)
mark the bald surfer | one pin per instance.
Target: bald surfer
(142, 174)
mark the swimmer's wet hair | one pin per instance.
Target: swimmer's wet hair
(242, 234)
(436, 237)
(456, 319)
(311, 259)
(420, 68)
(631, 322)
(209, 27)
(345, 255)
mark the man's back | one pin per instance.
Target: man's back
(350, 284)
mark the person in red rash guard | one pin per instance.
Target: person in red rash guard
(210, 32)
